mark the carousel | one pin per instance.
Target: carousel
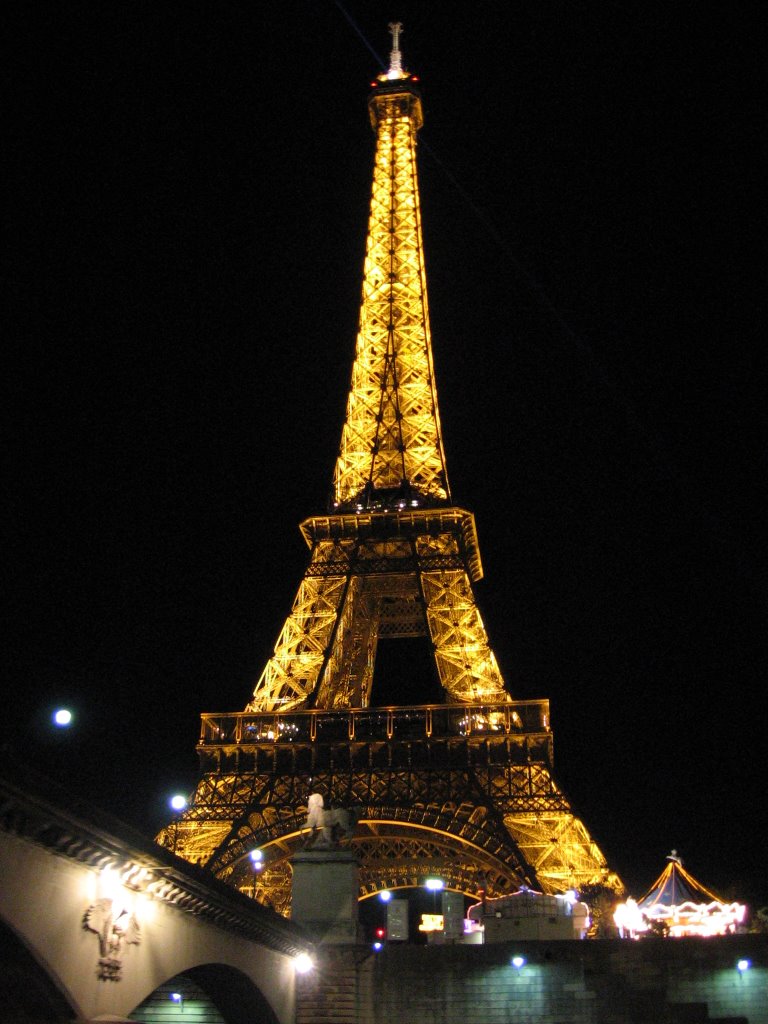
(677, 905)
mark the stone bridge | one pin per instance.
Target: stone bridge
(99, 923)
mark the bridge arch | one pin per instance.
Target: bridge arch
(27, 988)
(200, 991)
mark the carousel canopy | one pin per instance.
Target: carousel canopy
(676, 886)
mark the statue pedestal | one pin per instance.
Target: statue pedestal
(324, 894)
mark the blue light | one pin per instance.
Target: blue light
(378, 946)
(62, 717)
(178, 802)
(518, 962)
(743, 965)
(434, 884)
(256, 856)
(385, 895)
(175, 997)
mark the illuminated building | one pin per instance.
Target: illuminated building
(529, 915)
(463, 789)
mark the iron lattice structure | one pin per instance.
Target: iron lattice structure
(463, 788)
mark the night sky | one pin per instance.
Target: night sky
(184, 245)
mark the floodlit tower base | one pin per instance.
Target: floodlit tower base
(462, 792)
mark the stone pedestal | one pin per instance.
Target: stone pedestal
(324, 894)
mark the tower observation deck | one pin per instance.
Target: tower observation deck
(462, 788)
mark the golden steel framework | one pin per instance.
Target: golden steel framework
(464, 788)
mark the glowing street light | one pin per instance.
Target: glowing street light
(62, 718)
(303, 963)
(385, 895)
(177, 802)
(434, 885)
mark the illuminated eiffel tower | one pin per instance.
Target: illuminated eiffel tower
(464, 788)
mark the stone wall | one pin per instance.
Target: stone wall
(681, 981)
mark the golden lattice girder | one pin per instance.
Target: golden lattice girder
(292, 672)
(392, 430)
(465, 662)
(561, 851)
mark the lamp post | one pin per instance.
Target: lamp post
(257, 862)
(435, 885)
(178, 802)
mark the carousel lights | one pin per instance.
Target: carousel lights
(687, 919)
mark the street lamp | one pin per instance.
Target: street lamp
(434, 885)
(303, 963)
(177, 803)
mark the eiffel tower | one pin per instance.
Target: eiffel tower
(464, 788)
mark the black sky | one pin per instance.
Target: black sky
(187, 216)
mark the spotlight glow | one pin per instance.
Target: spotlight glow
(385, 895)
(518, 962)
(62, 717)
(178, 802)
(303, 963)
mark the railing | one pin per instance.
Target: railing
(430, 721)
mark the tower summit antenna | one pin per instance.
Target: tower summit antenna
(395, 57)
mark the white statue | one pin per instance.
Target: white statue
(327, 826)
